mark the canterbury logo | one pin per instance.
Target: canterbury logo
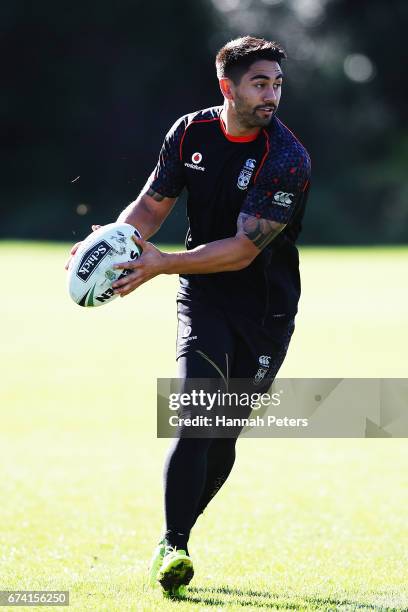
(282, 198)
(264, 360)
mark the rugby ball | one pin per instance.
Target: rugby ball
(91, 272)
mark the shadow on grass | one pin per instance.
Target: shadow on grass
(213, 597)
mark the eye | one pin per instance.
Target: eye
(260, 85)
(277, 85)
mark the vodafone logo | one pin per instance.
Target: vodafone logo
(196, 158)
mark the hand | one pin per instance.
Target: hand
(76, 246)
(148, 265)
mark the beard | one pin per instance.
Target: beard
(248, 116)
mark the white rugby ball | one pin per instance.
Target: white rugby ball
(91, 272)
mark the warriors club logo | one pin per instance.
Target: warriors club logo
(246, 173)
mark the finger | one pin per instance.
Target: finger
(126, 289)
(128, 284)
(132, 286)
(74, 248)
(72, 253)
(95, 227)
(126, 265)
(123, 285)
(129, 278)
(118, 285)
(139, 241)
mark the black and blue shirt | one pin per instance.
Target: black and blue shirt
(267, 176)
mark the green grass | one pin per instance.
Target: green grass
(300, 525)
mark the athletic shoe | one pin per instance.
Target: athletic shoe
(175, 571)
(156, 561)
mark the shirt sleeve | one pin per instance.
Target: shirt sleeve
(168, 176)
(279, 186)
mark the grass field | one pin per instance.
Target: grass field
(300, 524)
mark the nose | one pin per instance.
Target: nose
(270, 96)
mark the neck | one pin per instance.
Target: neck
(233, 126)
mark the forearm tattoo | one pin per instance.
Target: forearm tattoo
(260, 231)
(156, 196)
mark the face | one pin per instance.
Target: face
(256, 98)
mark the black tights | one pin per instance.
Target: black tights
(195, 470)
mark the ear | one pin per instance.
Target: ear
(225, 86)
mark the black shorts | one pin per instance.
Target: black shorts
(216, 343)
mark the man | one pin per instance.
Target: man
(247, 178)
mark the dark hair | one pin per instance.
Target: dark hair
(234, 59)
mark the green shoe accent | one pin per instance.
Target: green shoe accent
(178, 592)
(156, 561)
(176, 570)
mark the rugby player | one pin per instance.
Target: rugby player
(247, 178)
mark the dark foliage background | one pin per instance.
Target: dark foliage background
(89, 89)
